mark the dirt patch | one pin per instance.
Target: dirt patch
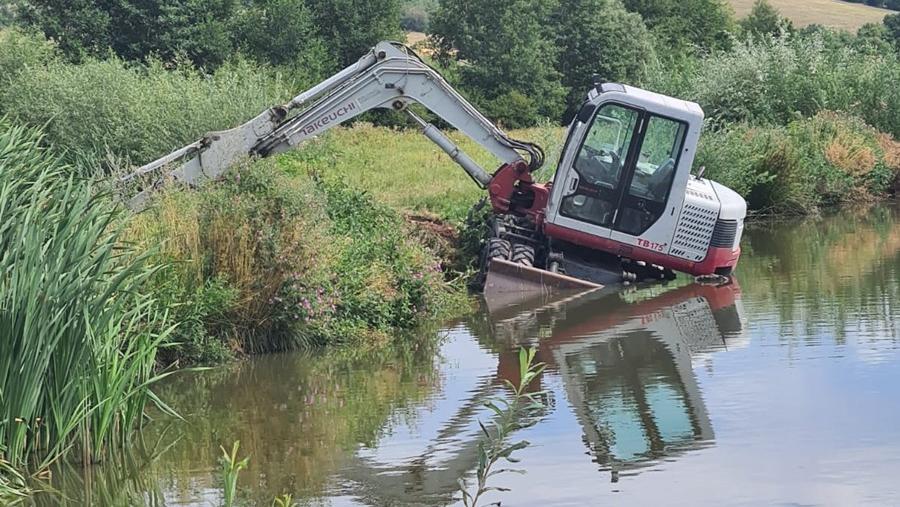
(433, 224)
(435, 233)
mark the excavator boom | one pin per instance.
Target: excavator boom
(390, 76)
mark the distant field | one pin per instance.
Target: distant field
(833, 13)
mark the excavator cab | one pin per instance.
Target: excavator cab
(624, 184)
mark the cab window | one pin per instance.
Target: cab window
(648, 191)
(601, 165)
(658, 158)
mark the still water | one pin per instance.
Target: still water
(782, 388)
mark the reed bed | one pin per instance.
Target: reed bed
(79, 337)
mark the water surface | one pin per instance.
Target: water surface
(781, 388)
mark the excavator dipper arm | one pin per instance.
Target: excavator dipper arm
(389, 76)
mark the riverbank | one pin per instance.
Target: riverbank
(699, 368)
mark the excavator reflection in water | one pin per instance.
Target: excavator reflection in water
(626, 371)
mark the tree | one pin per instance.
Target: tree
(135, 29)
(704, 24)
(892, 26)
(765, 20)
(599, 37)
(352, 27)
(282, 32)
(9, 11)
(506, 55)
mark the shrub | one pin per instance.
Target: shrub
(682, 25)
(102, 110)
(414, 19)
(765, 20)
(778, 80)
(21, 53)
(828, 159)
(264, 262)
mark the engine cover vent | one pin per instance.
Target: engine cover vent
(694, 231)
(724, 233)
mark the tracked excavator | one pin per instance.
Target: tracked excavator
(623, 204)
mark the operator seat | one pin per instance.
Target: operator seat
(660, 180)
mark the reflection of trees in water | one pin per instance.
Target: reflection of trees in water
(826, 272)
(296, 416)
(123, 480)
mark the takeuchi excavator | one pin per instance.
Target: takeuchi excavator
(623, 204)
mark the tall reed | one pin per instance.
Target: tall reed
(79, 337)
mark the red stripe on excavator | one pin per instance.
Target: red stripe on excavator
(716, 258)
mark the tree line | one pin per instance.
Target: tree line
(893, 5)
(519, 60)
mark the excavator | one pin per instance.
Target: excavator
(623, 204)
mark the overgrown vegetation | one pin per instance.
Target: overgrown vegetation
(317, 247)
(265, 262)
(80, 333)
(829, 159)
(104, 112)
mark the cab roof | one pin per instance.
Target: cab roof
(657, 102)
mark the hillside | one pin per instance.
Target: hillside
(833, 13)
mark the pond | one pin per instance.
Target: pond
(782, 387)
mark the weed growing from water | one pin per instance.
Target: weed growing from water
(511, 413)
(231, 469)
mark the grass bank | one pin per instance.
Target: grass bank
(403, 169)
(829, 159)
(264, 261)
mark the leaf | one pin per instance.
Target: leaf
(484, 430)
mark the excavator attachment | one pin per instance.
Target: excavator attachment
(508, 282)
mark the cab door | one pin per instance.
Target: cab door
(619, 183)
(593, 185)
(648, 186)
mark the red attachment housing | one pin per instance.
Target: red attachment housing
(514, 181)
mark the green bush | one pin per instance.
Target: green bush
(21, 53)
(764, 20)
(104, 110)
(776, 80)
(263, 262)
(687, 25)
(828, 159)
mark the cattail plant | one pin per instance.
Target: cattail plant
(79, 338)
